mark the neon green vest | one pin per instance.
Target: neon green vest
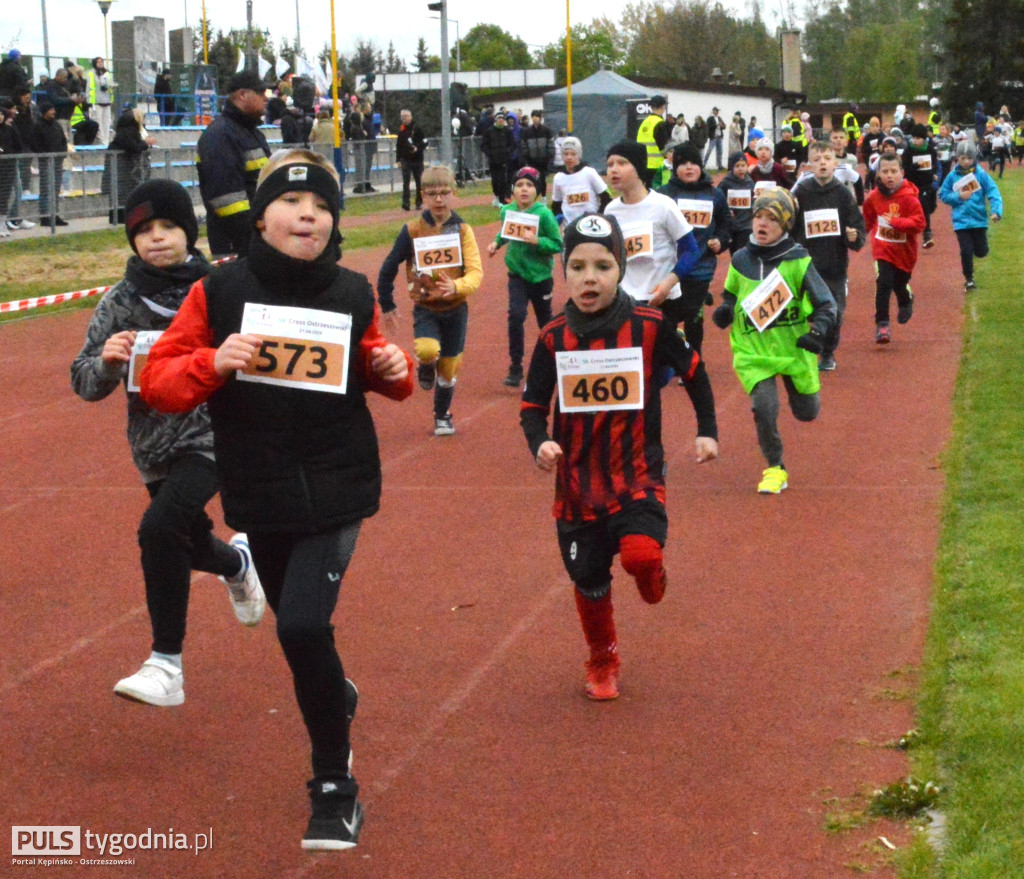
(933, 121)
(760, 355)
(852, 127)
(646, 136)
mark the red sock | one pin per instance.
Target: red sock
(642, 559)
(598, 620)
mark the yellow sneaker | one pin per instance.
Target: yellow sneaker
(773, 480)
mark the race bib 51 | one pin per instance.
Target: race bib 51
(517, 224)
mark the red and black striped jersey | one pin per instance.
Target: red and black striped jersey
(612, 455)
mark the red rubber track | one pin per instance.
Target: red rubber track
(767, 682)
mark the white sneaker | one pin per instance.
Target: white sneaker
(26, 224)
(158, 683)
(245, 592)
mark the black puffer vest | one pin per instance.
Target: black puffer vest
(292, 460)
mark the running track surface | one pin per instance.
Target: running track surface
(768, 682)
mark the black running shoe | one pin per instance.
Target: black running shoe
(337, 816)
(426, 374)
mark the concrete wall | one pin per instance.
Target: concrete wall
(139, 50)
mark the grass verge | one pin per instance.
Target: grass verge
(971, 709)
(45, 266)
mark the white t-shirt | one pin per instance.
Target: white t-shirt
(651, 228)
(578, 192)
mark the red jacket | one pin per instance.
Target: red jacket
(180, 373)
(903, 213)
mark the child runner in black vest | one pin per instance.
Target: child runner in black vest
(283, 346)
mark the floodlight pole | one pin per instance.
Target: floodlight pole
(446, 103)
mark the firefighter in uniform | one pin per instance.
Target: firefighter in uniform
(231, 152)
(654, 140)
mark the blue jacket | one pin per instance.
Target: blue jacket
(719, 227)
(972, 213)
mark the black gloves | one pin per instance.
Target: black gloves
(722, 316)
(812, 341)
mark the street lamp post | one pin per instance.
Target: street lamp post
(105, 8)
(446, 103)
(458, 40)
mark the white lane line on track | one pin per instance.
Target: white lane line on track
(80, 645)
(454, 703)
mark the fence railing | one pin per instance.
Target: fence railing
(95, 182)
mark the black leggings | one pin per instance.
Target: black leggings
(521, 294)
(973, 243)
(301, 576)
(890, 280)
(176, 538)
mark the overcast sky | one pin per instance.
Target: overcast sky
(75, 27)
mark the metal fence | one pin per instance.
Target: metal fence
(94, 181)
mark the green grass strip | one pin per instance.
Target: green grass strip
(357, 237)
(971, 710)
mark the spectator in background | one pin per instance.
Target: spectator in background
(127, 155)
(100, 92)
(699, 132)
(497, 143)
(716, 134)
(737, 128)
(12, 74)
(410, 149)
(537, 149)
(26, 115)
(48, 137)
(64, 103)
(231, 152)
(166, 104)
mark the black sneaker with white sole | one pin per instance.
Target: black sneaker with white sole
(426, 375)
(337, 816)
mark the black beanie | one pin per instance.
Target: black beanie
(635, 153)
(297, 177)
(595, 229)
(686, 153)
(919, 130)
(160, 199)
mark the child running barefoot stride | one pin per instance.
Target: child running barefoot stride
(284, 346)
(600, 361)
(174, 453)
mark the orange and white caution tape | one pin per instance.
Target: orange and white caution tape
(60, 298)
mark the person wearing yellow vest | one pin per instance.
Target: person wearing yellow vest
(798, 122)
(934, 117)
(851, 126)
(100, 93)
(654, 134)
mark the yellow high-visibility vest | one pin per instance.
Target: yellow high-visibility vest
(646, 136)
